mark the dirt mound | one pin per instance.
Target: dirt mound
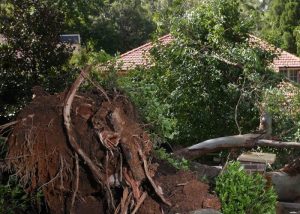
(186, 193)
(40, 154)
(88, 154)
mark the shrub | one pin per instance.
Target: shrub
(283, 103)
(13, 199)
(175, 162)
(242, 193)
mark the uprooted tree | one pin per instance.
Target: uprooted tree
(88, 154)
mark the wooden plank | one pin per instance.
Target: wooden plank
(257, 157)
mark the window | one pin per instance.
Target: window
(293, 75)
(70, 38)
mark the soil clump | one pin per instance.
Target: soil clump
(109, 171)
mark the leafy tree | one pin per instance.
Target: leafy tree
(122, 26)
(107, 25)
(282, 24)
(77, 13)
(163, 12)
(255, 10)
(208, 79)
(31, 54)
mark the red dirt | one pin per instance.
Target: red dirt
(186, 193)
(40, 154)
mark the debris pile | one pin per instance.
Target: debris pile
(88, 154)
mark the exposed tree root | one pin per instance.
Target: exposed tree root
(71, 134)
(76, 184)
(157, 190)
(111, 139)
(85, 151)
(139, 202)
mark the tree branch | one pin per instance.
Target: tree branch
(229, 142)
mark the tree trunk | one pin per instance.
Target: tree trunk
(286, 186)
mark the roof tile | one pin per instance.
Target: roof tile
(140, 55)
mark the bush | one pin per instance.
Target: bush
(13, 198)
(142, 89)
(241, 193)
(283, 103)
(172, 160)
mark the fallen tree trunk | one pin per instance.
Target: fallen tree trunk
(284, 207)
(231, 142)
(286, 186)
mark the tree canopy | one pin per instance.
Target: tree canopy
(282, 25)
(209, 77)
(31, 54)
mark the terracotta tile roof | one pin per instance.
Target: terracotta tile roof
(286, 60)
(138, 56)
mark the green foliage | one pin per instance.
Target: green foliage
(165, 11)
(142, 91)
(13, 199)
(283, 103)
(114, 26)
(175, 162)
(282, 24)
(255, 10)
(104, 67)
(197, 80)
(77, 14)
(122, 26)
(31, 54)
(88, 56)
(242, 193)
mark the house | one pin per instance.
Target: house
(289, 65)
(73, 40)
(285, 63)
(140, 55)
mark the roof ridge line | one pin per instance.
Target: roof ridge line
(145, 45)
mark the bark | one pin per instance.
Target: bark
(284, 207)
(218, 144)
(231, 142)
(286, 186)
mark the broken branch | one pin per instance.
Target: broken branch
(229, 142)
